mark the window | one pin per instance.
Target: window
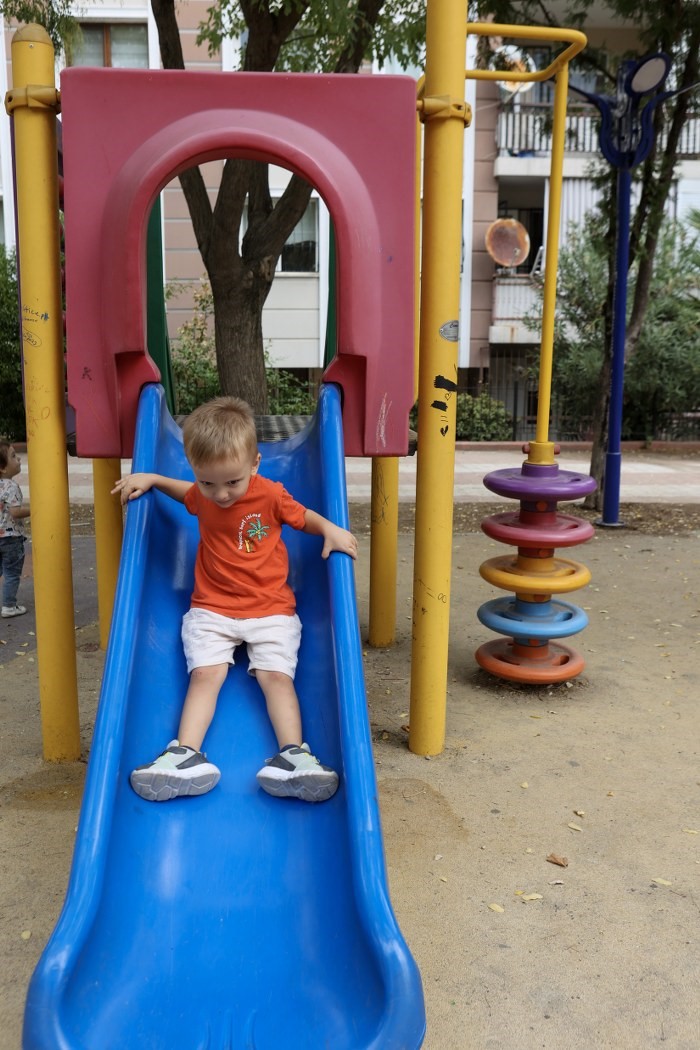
(300, 253)
(119, 45)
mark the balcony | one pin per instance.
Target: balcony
(524, 130)
(515, 297)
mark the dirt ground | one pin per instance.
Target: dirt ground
(516, 952)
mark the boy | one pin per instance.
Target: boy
(240, 595)
(12, 534)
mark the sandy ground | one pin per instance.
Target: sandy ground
(515, 952)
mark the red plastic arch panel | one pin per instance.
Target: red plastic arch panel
(127, 133)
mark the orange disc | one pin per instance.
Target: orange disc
(545, 664)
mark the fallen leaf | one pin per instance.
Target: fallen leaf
(524, 784)
(690, 831)
(496, 907)
(554, 858)
(556, 882)
(574, 827)
(533, 897)
(662, 882)
(580, 812)
(25, 935)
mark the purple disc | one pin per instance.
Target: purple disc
(536, 481)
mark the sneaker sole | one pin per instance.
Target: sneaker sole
(161, 787)
(309, 787)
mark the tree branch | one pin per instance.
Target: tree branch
(191, 180)
(365, 20)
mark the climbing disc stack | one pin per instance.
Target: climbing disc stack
(534, 619)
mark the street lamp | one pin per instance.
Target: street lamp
(626, 139)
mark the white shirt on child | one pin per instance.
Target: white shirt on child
(10, 496)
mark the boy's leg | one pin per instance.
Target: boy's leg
(12, 563)
(282, 706)
(200, 704)
(182, 769)
(294, 772)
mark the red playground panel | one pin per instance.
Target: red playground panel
(127, 133)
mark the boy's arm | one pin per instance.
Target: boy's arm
(134, 485)
(334, 538)
(16, 513)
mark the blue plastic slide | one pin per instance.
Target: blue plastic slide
(234, 920)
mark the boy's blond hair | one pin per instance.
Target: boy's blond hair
(222, 428)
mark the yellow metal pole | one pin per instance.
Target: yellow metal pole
(108, 538)
(542, 449)
(383, 551)
(385, 486)
(33, 104)
(444, 113)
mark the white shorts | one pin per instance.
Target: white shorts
(209, 638)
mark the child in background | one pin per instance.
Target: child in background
(241, 595)
(12, 535)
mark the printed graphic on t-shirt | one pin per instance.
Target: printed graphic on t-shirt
(251, 531)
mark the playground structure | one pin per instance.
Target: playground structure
(532, 619)
(108, 367)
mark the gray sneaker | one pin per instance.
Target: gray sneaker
(13, 610)
(178, 771)
(296, 773)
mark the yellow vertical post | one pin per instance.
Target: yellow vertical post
(385, 492)
(33, 104)
(108, 538)
(383, 551)
(542, 449)
(444, 115)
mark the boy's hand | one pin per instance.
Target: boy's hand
(337, 539)
(133, 486)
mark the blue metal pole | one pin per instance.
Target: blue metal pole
(613, 458)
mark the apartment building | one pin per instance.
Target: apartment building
(506, 175)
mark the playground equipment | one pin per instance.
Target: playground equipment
(444, 113)
(238, 918)
(33, 103)
(532, 618)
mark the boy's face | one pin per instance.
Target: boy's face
(227, 480)
(14, 464)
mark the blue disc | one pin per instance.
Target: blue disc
(523, 620)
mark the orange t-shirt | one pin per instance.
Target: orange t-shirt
(242, 564)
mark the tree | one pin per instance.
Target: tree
(672, 27)
(662, 382)
(279, 34)
(12, 419)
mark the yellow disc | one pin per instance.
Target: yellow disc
(559, 575)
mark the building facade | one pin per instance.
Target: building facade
(506, 175)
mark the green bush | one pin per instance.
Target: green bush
(287, 394)
(478, 419)
(482, 419)
(12, 418)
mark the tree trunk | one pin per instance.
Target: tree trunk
(599, 423)
(239, 341)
